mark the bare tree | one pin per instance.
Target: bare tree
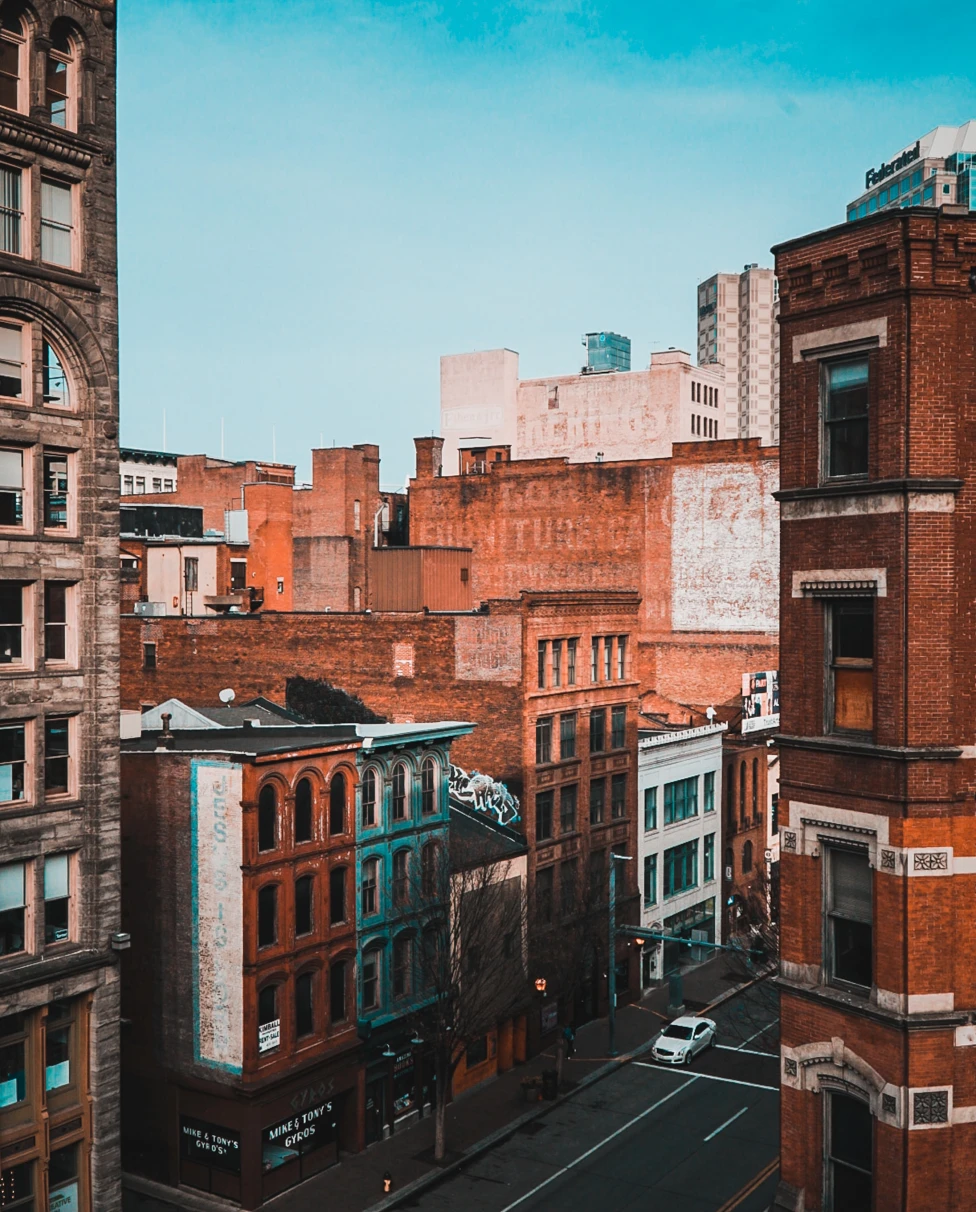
(471, 954)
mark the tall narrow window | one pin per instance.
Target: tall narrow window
(369, 796)
(621, 657)
(650, 809)
(850, 1154)
(742, 792)
(304, 1004)
(708, 858)
(337, 804)
(598, 799)
(337, 895)
(303, 811)
(367, 889)
(618, 796)
(747, 858)
(13, 908)
(11, 486)
(401, 888)
(595, 659)
(13, 1056)
(568, 796)
(557, 662)
(428, 870)
(56, 492)
(851, 680)
(371, 979)
(267, 818)
(428, 787)
(12, 361)
(55, 621)
(191, 574)
(755, 790)
(543, 740)
(543, 654)
(337, 992)
(12, 51)
(268, 915)
(11, 210)
(845, 415)
(12, 764)
(402, 952)
(57, 1046)
(57, 223)
(850, 916)
(304, 901)
(650, 880)
(543, 815)
(571, 662)
(11, 622)
(568, 887)
(708, 788)
(57, 898)
(618, 727)
(400, 812)
(544, 881)
(567, 736)
(55, 382)
(269, 1024)
(607, 658)
(598, 730)
(56, 755)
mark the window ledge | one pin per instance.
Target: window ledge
(862, 748)
(844, 999)
(862, 485)
(46, 273)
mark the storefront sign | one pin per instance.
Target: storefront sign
(760, 700)
(550, 1017)
(302, 1133)
(218, 931)
(269, 1035)
(64, 1199)
(210, 1145)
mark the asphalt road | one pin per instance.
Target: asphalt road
(698, 1139)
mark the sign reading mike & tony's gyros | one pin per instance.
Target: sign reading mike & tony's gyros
(303, 1132)
(210, 1145)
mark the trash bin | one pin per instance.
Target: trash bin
(550, 1083)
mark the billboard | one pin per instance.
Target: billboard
(218, 932)
(760, 700)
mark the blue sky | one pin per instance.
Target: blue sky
(319, 199)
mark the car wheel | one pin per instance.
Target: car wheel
(711, 1041)
(687, 1059)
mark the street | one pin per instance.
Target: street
(697, 1139)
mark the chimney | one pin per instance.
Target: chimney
(166, 737)
(429, 453)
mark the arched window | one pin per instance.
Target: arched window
(268, 915)
(428, 786)
(60, 78)
(267, 817)
(369, 796)
(400, 812)
(269, 1025)
(400, 873)
(337, 991)
(337, 895)
(303, 811)
(747, 857)
(13, 56)
(369, 895)
(304, 1004)
(742, 791)
(55, 381)
(304, 904)
(755, 789)
(402, 964)
(371, 978)
(337, 804)
(428, 870)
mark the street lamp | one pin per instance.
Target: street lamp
(540, 985)
(612, 964)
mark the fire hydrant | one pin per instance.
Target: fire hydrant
(387, 1183)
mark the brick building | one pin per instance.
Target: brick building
(59, 871)
(877, 824)
(745, 872)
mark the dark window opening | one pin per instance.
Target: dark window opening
(846, 418)
(618, 727)
(56, 756)
(618, 796)
(851, 681)
(543, 740)
(337, 895)
(544, 880)
(543, 816)
(598, 799)
(337, 992)
(337, 804)
(567, 736)
(304, 887)
(850, 917)
(267, 818)
(303, 811)
(268, 916)
(568, 796)
(55, 621)
(304, 1005)
(850, 1156)
(598, 730)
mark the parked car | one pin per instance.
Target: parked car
(683, 1039)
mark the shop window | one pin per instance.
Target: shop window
(304, 1004)
(598, 800)
(267, 817)
(680, 800)
(402, 951)
(598, 730)
(543, 815)
(57, 755)
(11, 210)
(17, 1188)
(544, 879)
(57, 222)
(567, 736)
(850, 1169)
(57, 898)
(543, 740)
(11, 622)
(269, 1022)
(618, 796)
(369, 797)
(401, 890)
(368, 887)
(56, 620)
(268, 915)
(400, 812)
(568, 796)
(371, 979)
(57, 1046)
(850, 685)
(54, 380)
(337, 804)
(850, 917)
(304, 903)
(428, 787)
(13, 908)
(845, 413)
(650, 809)
(13, 51)
(571, 646)
(11, 488)
(303, 811)
(337, 895)
(618, 727)
(13, 1059)
(63, 1173)
(337, 992)
(56, 489)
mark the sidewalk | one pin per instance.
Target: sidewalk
(487, 1111)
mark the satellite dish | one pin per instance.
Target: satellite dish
(227, 696)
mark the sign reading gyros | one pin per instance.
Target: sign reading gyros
(304, 1132)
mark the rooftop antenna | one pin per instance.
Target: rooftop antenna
(227, 696)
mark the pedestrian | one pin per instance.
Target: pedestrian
(387, 1183)
(569, 1035)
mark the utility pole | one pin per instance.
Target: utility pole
(612, 954)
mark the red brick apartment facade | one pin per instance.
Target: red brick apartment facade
(744, 867)
(878, 824)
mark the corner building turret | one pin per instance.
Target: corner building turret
(878, 744)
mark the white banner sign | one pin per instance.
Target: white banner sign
(218, 933)
(269, 1035)
(760, 700)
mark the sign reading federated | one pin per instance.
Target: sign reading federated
(874, 176)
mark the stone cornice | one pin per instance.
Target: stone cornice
(49, 141)
(867, 487)
(852, 748)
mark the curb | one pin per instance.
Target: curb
(428, 1181)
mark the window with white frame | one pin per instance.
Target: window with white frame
(57, 222)
(57, 755)
(57, 898)
(850, 916)
(13, 767)
(56, 393)
(11, 488)
(58, 598)
(12, 360)
(59, 79)
(56, 490)
(13, 908)
(13, 53)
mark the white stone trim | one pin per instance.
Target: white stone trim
(865, 504)
(808, 821)
(827, 342)
(813, 1066)
(966, 1036)
(964, 864)
(963, 1115)
(878, 575)
(931, 1003)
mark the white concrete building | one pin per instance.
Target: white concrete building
(586, 417)
(679, 849)
(146, 471)
(738, 330)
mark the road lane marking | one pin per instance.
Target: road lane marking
(751, 1185)
(713, 1077)
(746, 1051)
(583, 1156)
(725, 1125)
(758, 1033)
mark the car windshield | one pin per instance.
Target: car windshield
(676, 1032)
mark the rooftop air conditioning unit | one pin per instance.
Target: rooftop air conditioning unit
(153, 609)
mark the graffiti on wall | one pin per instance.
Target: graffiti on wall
(481, 792)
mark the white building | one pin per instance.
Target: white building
(146, 471)
(738, 330)
(585, 417)
(679, 788)
(937, 170)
